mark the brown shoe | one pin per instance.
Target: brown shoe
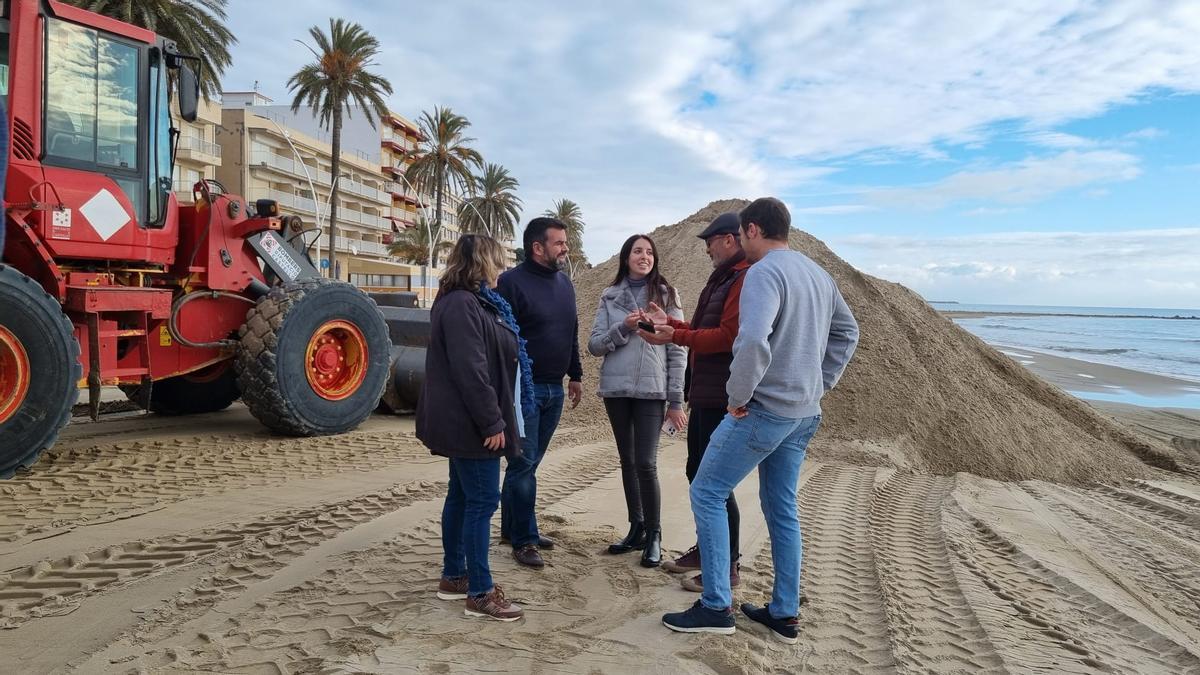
(452, 588)
(529, 557)
(688, 562)
(696, 584)
(493, 605)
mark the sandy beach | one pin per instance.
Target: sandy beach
(1087, 377)
(159, 545)
(961, 511)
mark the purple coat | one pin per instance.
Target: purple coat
(470, 374)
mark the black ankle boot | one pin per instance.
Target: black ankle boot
(652, 555)
(636, 539)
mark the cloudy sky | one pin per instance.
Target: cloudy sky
(1029, 153)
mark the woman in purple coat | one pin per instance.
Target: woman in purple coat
(477, 376)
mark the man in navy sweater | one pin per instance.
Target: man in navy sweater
(543, 302)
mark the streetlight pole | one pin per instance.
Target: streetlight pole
(311, 186)
(428, 228)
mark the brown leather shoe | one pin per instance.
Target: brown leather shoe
(529, 557)
(452, 588)
(696, 584)
(494, 606)
(688, 562)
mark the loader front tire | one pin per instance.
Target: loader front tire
(39, 370)
(313, 358)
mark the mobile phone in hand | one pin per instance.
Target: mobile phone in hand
(668, 428)
(648, 327)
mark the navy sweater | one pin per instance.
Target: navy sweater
(543, 302)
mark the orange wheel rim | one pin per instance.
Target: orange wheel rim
(336, 360)
(14, 374)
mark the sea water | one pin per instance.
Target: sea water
(1150, 340)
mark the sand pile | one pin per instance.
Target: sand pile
(921, 393)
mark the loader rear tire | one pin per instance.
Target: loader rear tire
(313, 358)
(207, 390)
(35, 338)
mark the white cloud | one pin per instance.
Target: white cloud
(1025, 181)
(1137, 268)
(643, 112)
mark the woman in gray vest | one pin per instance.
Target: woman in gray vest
(640, 383)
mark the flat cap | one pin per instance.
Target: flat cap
(726, 223)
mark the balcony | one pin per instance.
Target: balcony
(365, 219)
(194, 149)
(344, 245)
(302, 205)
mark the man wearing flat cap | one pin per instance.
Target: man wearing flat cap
(709, 338)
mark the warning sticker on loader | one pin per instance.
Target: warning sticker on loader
(60, 224)
(283, 262)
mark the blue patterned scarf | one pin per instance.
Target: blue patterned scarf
(527, 405)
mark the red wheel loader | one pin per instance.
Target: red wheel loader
(106, 280)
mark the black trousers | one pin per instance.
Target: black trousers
(701, 424)
(636, 424)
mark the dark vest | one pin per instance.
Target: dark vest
(709, 372)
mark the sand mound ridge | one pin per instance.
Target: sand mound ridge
(921, 393)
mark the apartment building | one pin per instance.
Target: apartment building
(270, 153)
(398, 135)
(198, 154)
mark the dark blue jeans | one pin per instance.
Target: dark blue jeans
(466, 521)
(517, 520)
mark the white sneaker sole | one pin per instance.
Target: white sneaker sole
(481, 615)
(719, 630)
(442, 595)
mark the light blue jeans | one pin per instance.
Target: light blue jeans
(776, 445)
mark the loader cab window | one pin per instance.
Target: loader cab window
(91, 107)
(3, 57)
(159, 173)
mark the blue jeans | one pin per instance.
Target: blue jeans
(776, 445)
(466, 521)
(517, 520)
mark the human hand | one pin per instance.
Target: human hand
(632, 319)
(677, 418)
(655, 315)
(495, 442)
(575, 393)
(662, 335)
(738, 412)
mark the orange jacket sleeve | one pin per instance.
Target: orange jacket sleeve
(714, 340)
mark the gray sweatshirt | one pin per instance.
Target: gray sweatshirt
(795, 336)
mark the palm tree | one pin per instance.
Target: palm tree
(412, 244)
(336, 83)
(568, 213)
(493, 209)
(442, 161)
(196, 26)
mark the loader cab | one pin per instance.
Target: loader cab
(106, 111)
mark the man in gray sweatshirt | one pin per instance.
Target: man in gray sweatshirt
(795, 337)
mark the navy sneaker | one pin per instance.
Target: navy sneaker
(700, 619)
(784, 630)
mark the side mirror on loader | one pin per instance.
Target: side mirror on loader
(189, 93)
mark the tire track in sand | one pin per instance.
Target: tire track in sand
(1169, 578)
(56, 587)
(1176, 520)
(1040, 621)
(104, 481)
(932, 626)
(844, 620)
(1176, 499)
(373, 595)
